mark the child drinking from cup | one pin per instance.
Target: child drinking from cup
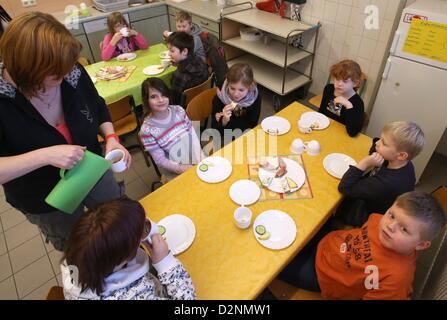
(340, 100)
(121, 38)
(167, 133)
(103, 259)
(238, 104)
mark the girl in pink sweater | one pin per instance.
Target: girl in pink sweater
(121, 38)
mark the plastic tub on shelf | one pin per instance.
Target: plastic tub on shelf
(250, 34)
(110, 5)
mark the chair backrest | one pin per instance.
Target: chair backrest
(200, 107)
(83, 61)
(190, 93)
(121, 108)
(216, 57)
(55, 293)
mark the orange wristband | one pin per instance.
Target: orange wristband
(112, 135)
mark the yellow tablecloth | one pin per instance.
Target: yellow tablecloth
(114, 90)
(226, 262)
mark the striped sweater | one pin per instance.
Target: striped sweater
(171, 142)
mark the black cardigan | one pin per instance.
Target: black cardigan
(351, 118)
(23, 129)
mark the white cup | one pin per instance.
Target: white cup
(242, 217)
(304, 126)
(297, 146)
(313, 148)
(153, 230)
(165, 63)
(116, 157)
(124, 31)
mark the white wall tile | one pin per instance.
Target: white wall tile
(367, 48)
(392, 10)
(343, 14)
(340, 33)
(385, 31)
(380, 52)
(330, 11)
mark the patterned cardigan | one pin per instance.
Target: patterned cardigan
(135, 282)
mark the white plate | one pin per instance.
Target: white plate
(281, 226)
(244, 192)
(153, 70)
(294, 172)
(219, 169)
(321, 119)
(275, 125)
(180, 232)
(336, 164)
(164, 55)
(126, 56)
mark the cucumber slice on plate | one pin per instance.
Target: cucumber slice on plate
(260, 229)
(161, 230)
(265, 236)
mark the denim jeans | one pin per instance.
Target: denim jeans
(57, 225)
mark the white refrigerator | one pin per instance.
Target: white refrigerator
(414, 82)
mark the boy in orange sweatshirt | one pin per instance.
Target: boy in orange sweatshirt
(376, 261)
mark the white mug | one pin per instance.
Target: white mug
(304, 126)
(242, 217)
(297, 146)
(124, 31)
(116, 157)
(165, 63)
(313, 148)
(152, 231)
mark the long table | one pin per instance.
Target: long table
(226, 262)
(114, 90)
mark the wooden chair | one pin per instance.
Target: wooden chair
(190, 93)
(55, 293)
(83, 61)
(284, 291)
(316, 100)
(124, 117)
(430, 280)
(200, 108)
(441, 195)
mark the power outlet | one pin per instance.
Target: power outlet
(29, 3)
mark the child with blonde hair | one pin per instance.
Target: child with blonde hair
(183, 23)
(117, 42)
(376, 181)
(340, 100)
(374, 262)
(103, 259)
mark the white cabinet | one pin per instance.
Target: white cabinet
(150, 23)
(277, 65)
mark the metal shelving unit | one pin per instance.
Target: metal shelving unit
(276, 63)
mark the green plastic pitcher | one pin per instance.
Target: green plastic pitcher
(76, 183)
